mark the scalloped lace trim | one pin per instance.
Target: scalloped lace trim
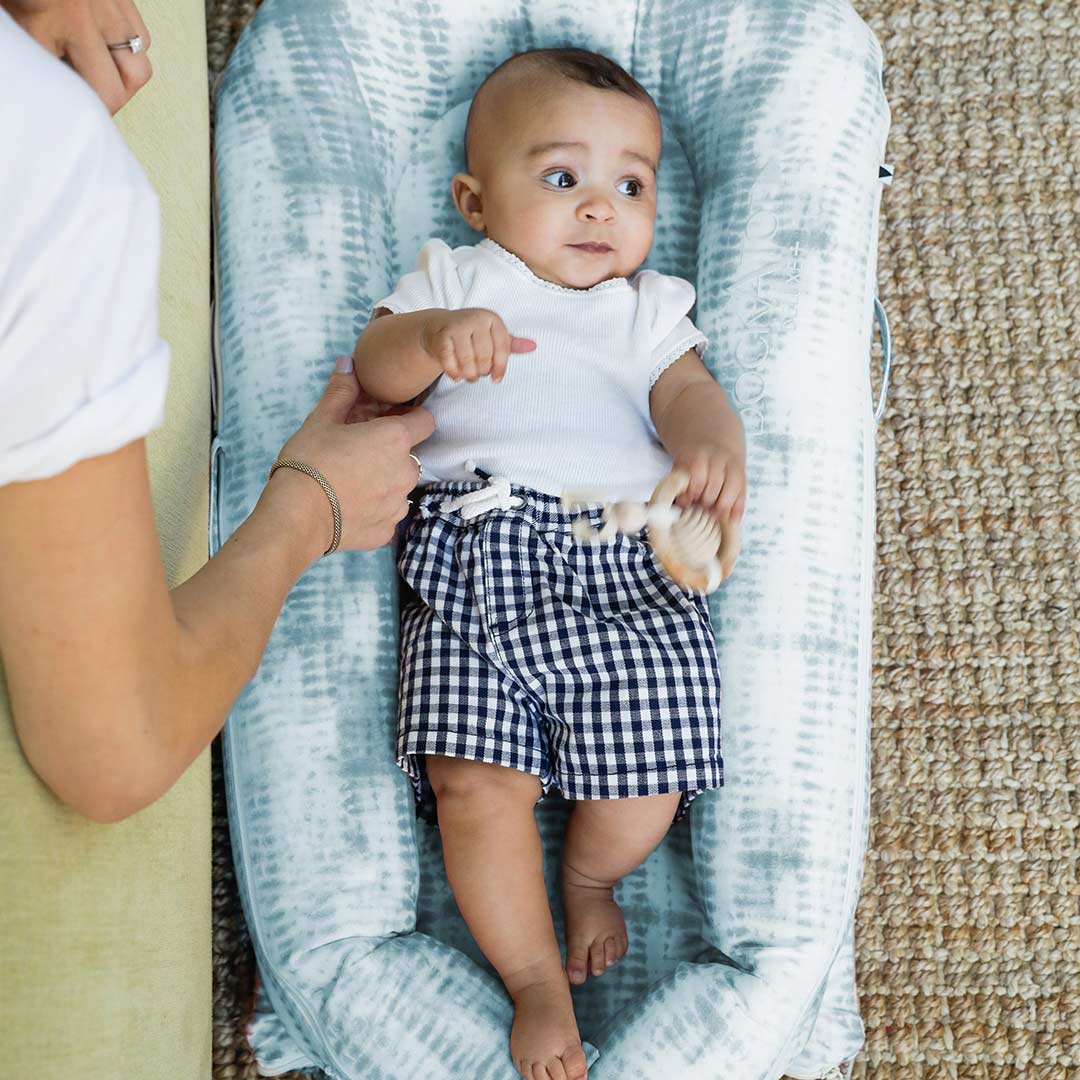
(512, 260)
(673, 354)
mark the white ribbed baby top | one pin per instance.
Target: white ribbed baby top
(572, 414)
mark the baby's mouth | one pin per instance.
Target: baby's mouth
(593, 249)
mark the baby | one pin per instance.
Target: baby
(529, 660)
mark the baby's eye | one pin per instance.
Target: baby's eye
(638, 187)
(560, 172)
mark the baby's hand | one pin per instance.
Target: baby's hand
(471, 342)
(717, 481)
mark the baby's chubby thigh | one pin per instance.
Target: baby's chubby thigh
(608, 838)
(480, 783)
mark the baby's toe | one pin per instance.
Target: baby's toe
(539, 1071)
(555, 1069)
(577, 962)
(596, 957)
(574, 1064)
(611, 951)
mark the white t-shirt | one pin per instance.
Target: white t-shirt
(83, 371)
(572, 414)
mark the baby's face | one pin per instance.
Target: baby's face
(576, 167)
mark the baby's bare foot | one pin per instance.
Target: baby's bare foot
(595, 928)
(544, 1040)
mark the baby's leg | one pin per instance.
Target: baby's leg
(605, 840)
(494, 863)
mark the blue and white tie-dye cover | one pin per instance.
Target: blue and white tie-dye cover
(339, 125)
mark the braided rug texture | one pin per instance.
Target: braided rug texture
(968, 927)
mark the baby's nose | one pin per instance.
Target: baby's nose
(597, 210)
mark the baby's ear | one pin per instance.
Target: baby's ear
(465, 191)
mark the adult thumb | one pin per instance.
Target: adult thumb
(341, 391)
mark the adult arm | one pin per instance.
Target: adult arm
(116, 684)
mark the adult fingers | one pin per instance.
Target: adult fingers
(340, 393)
(369, 467)
(120, 21)
(135, 70)
(85, 49)
(417, 424)
(128, 8)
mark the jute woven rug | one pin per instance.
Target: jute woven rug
(968, 928)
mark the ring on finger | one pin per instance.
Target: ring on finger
(419, 467)
(134, 44)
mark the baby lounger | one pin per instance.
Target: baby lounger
(339, 125)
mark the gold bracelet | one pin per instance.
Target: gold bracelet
(315, 475)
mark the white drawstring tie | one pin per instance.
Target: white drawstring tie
(494, 495)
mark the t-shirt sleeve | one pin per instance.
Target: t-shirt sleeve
(435, 283)
(663, 303)
(83, 371)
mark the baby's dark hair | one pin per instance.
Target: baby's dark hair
(579, 65)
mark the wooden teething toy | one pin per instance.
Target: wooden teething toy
(696, 550)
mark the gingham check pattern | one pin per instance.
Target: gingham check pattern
(582, 664)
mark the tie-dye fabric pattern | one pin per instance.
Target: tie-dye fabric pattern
(339, 125)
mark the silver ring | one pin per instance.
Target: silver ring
(135, 44)
(420, 468)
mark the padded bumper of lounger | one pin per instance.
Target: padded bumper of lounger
(339, 125)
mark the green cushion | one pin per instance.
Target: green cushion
(106, 929)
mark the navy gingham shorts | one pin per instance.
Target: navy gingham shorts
(585, 665)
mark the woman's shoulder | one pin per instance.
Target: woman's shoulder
(81, 362)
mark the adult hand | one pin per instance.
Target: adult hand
(366, 462)
(80, 33)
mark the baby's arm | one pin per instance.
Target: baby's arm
(397, 356)
(390, 359)
(703, 434)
